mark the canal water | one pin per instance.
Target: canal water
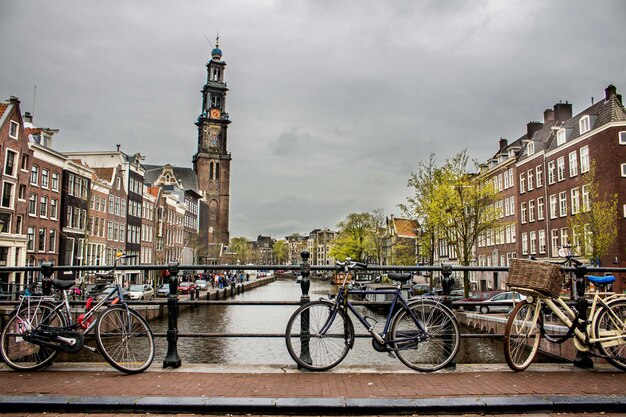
(273, 319)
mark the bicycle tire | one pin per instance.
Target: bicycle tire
(128, 351)
(317, 352)
(443, 336)
(609, 321)
(21, 355)
(522, 335)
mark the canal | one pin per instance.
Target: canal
(273, 319)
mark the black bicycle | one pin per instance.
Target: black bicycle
(422, 333)
(42, 326)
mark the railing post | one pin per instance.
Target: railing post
(582, 359)
(171, 358)
(305, 284)
(447, 283)
(46, 271)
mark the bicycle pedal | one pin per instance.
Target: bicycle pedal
(392, 355)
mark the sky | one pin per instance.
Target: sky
(333, 104)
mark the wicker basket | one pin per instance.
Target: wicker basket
(539, 276)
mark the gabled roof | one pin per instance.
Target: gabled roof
(186, 177)
(105, 174)
(405, 227)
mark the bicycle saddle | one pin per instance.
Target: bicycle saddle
(400, 277)
(63, 284)
(601, 280)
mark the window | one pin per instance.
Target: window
(542, 241)
(623, 170)
(553, 206)
(564, 237)
(560, 168)
(22, 192)
(575, 197)
(622, 138)
(118, 183)
(10, 167)
(530, 179)
(563, 203)
(540, 208)
(584, 124)
(42, 240)
(34, 175)
(539, 176)
(551, 173)
(52, 241)
(55, 181)
(30, 245)
(7, 195)
(524, 244)
(573, 164)
(584, 159)
(32, 205)
(14, 129)
(531, 211)
(554, 240)
(560, 137)
(111, 204)
(70, 184)
(530, 148)
(586, 200)
(53, 209)
(522, 183)
(533, 242)
(523, 212)
(45, 178)
(43, 206)
(24, 166)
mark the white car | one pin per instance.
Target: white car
(502, 302)
(141, 292)
(201, 284)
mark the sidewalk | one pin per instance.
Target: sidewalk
(95, 388)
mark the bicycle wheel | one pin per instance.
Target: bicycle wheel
(442, 336)
(609, 322)
(522, 335)
(17, 352)
(311, 349)
(125, 339)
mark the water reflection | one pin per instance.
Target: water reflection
(273, 319)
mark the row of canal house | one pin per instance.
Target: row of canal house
(539, 178)
(82, 208)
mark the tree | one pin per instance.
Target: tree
(281, 251)
(457, 207)
(355, 237)
(378, 232)
(594, 227)
(240, 246)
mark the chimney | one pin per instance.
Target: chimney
(532, 127)
(548, 116)
(610, 91)
(562, 111)
(28, 118)
(503, 143)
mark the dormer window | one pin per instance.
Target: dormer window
(584, 124)
(14, 129)
(530, 148)
(560, 137)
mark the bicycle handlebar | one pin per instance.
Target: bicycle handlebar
(349, 265)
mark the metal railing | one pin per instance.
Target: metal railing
(172, 270)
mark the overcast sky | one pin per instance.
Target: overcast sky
(333, 103)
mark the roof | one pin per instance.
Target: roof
(405, 227)
(104, 173)
(186, 177)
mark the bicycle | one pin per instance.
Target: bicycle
(423, 334)
(602, 328)
(42, 326)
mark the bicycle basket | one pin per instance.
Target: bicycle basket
(543, 277)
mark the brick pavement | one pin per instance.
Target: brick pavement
(190, 388)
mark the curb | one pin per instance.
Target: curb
(315, 406)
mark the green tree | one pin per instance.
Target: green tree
(594, 228)
(281, 251)
(241, 246)
(355, 237)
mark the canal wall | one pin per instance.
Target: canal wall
(495, 324)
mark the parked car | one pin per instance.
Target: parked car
(201, 284)
(94, 289)
(108, 290)
(437, 294)
(163, 291)
(186, 287)
(472, 302)
(141, 292)
(502, 302)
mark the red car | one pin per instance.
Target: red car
(473, 302)
(186, 287)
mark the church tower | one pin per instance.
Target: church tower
(212, 161)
